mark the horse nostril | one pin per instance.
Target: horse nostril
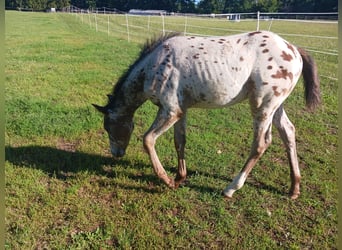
(118, 153)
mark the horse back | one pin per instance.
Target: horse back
(221, 71)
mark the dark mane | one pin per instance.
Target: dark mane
(147, 48)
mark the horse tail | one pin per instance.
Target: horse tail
(311, 81)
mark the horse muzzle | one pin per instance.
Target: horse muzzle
(118, 153)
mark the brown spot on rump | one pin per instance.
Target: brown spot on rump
(286, 57)
(254, 33)
(265, 51)
(276, 93)
(241, 59)
(265, 36)
(290, 47)
(263, 45)
(196, 56)
(269, 67)
(200, 48)
(270, 59)
(264, 83)
(245, 43)
(238, 40)
(282, 74)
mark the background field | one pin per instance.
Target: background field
(64, 191)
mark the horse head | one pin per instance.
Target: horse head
(119, 127)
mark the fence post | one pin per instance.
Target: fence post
(128, 38)
(163, 21)
(95, 22)
(258, 20)
(185, 25)
(108, 25)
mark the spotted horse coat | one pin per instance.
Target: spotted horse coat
(181, 72)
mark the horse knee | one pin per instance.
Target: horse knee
(148, 142)
(260, 147)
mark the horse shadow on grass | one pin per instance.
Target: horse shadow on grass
(64, 165)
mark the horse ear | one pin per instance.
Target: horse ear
(110, 98)
(103, 110)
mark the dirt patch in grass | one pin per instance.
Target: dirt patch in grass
(64, 145)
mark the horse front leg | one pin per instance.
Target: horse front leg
(162, 123)
(180, 140)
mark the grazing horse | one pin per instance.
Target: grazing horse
(180, 72)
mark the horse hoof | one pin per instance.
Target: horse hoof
(171, 184)
(294, 196)
(226, 196)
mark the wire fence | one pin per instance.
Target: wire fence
(317, 36)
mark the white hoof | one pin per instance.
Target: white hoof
(237, 183)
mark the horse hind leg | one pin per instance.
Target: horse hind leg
(287, 133)
(180, 140)
(262, 139)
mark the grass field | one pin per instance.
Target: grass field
(64, 191)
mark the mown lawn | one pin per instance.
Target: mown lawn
(64, 191)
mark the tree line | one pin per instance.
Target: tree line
(184, 6)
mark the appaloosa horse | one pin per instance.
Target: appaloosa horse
(180, 72)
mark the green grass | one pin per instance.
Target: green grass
(64, 191)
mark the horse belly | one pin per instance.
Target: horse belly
(214, 87)
(213, 96)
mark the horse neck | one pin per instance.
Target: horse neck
(130, 96)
